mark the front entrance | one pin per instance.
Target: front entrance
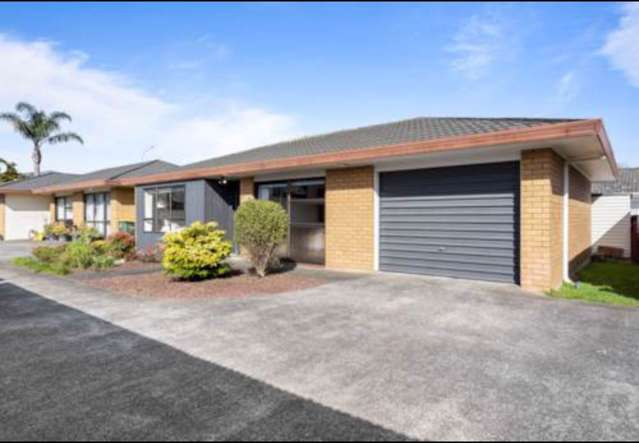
(303, 200)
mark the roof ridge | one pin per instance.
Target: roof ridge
(135, 167)
(372, 126)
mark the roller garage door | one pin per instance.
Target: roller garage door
(460, 221)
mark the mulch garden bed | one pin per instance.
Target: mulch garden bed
(143, 279)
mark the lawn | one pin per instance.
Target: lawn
(604, 282)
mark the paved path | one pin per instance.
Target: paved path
(426, 358)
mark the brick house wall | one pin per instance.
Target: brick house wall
(580, 221)
(541, 249)
(247, 189)
(350, 218)
(122, 207)
(78, 208)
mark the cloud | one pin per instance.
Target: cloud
(568, 87)
(118, 119)
(622, 44)
(478, 44)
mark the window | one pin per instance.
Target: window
(64, 210)
(97, 212)
(164, 209)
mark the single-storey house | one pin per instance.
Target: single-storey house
(93, 199)
(499, 199)
(22, 212)
(613, 205)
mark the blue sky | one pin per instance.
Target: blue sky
(201, 80)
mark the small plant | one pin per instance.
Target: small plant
(196, 252)
(103, 262)
(150, 254)
(56, 230)
(78, 255)
(49, 254)
(37, 266)
(121, 244)
(85, 234)
(260, 227)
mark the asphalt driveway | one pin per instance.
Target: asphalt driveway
(423, 358)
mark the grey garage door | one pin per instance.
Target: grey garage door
(460, 221)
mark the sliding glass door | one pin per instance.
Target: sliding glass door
(303, 200)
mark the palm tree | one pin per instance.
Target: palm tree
(40, 128)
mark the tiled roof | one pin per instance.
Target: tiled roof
(45, 179)
(626, 183)
(126, 171)
(405, 131)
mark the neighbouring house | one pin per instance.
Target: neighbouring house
(93, 199)
(613, 205)
(21, 211)
(499, 199)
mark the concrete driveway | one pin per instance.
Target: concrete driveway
(16, 248)
(415, 357)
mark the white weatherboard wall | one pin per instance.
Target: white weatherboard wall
(24, 213)
(611, 222)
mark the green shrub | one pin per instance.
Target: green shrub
(196, 252)
(103, 262)
(86, 234)
(260, 227)
(121, 244)
(78, 255)
(101, 247)
(49, 254)
(56, 230)
(36, 265)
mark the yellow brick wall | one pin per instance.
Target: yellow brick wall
(579, 219)
(2, 218)
(78, 208)
(541, 219)
(350, 218)
(247, 189)
(52, 209)
(122, 206)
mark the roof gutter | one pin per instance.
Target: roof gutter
(549, 132)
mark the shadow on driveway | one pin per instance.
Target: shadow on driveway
(65, 375)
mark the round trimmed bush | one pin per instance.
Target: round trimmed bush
(196, 252)
(260, 227)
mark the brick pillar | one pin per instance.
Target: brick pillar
(541, 219)
(247, 189)
(580, 221)
(52, 210)
(350, 218)
(78, 208)
(122, 207)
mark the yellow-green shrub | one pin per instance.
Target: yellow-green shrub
(196, 252)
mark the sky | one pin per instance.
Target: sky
(184, 82)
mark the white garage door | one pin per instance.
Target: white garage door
(24, 213)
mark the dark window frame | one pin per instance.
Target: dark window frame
(67, 209)
(107, 210)
(154, 220)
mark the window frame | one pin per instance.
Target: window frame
(154, 220)
(67, 209)
(106, 195)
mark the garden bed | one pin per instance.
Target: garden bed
(157, 284)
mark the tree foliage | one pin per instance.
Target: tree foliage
(40, 128)
(9, 171)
